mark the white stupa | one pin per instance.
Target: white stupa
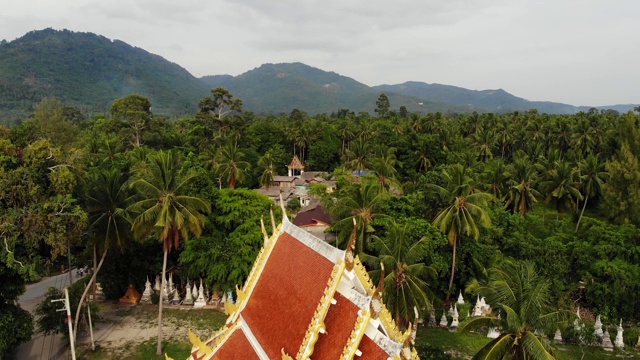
(455, 322)
(606, 341)
(200, 301)
(557, 338)
(477, 309)
(598, 327)
(619, 343)
(460, 298)
(156, 286)
(194, 290)
(165, 293)
(450, 313)
(146, 295)
(443, 320)
(188, 297)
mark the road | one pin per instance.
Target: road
(41, 347)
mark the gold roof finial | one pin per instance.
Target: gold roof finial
(376, 301)
(197, 343)
(273, 220)
(284, 209)
(349, 254)
(264, 230)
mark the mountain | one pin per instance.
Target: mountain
(492, 100)
(276, 88)
(89, 71)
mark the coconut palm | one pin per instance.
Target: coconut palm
(165, 210)
(561, 186)
(266, 179)
(364, 201)
(229, 164)
(406, 284)
(522, 194)
(384, 166)
(108, 197)
(464, 212)
(521, 299)
(592, 179)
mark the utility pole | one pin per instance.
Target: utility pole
(67, 308)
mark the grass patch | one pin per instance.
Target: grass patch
(143, 351)
(464, 346)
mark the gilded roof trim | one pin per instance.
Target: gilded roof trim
(317, 323)
(350, 349)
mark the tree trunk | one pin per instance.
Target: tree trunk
(84, 294)
(453, 269)
(582, 212)
(95, 268)
(164, 270)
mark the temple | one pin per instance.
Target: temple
(305, 299)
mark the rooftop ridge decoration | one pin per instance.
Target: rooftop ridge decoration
(296, 163)
(351, 348)
(217, 340)
(317, 324)
(254, 275)
(197, 346)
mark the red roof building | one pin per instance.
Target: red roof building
(305, 299)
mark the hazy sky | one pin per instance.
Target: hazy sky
(581, 52)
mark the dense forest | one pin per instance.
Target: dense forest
(440, 200)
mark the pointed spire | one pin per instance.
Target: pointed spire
(349, 255)
(376, 301)
(273, 219)
(264, 231)
(283, 208)
(460, 298)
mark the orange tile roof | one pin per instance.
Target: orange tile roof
(284, 300)
(371, 350)
(237, 347)
(340, 321)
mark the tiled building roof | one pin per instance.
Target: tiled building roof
(306, 299)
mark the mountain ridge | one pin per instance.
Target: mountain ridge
(90, 71)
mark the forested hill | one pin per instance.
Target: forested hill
(89, 71)
(283, 87)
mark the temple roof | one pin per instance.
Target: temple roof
(296, 163)
(305, 299)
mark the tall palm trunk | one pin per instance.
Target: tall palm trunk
(582, 212)
(164, 270)
(453, 269)
(84, 293)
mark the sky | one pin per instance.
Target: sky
(579, 52)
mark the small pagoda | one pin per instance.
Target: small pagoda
(295, 168)
(305, 299)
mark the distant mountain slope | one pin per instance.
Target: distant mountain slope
(274, 88)
(89, 71)
(492, 100)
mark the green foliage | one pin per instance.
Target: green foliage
(224, 257)
(16, 326)
(51, 321)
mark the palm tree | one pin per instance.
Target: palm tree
(521, 299)
(561, 186)
(522, 194)
(357, 156)
(423, 156)
(229, 164)
(269, 172)
(384, 166)
(165, 209)
(466, 207)
(592, 179)
(495, 175)
(107, 200)
(364, 201)
(483, 140)
(406, 284)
